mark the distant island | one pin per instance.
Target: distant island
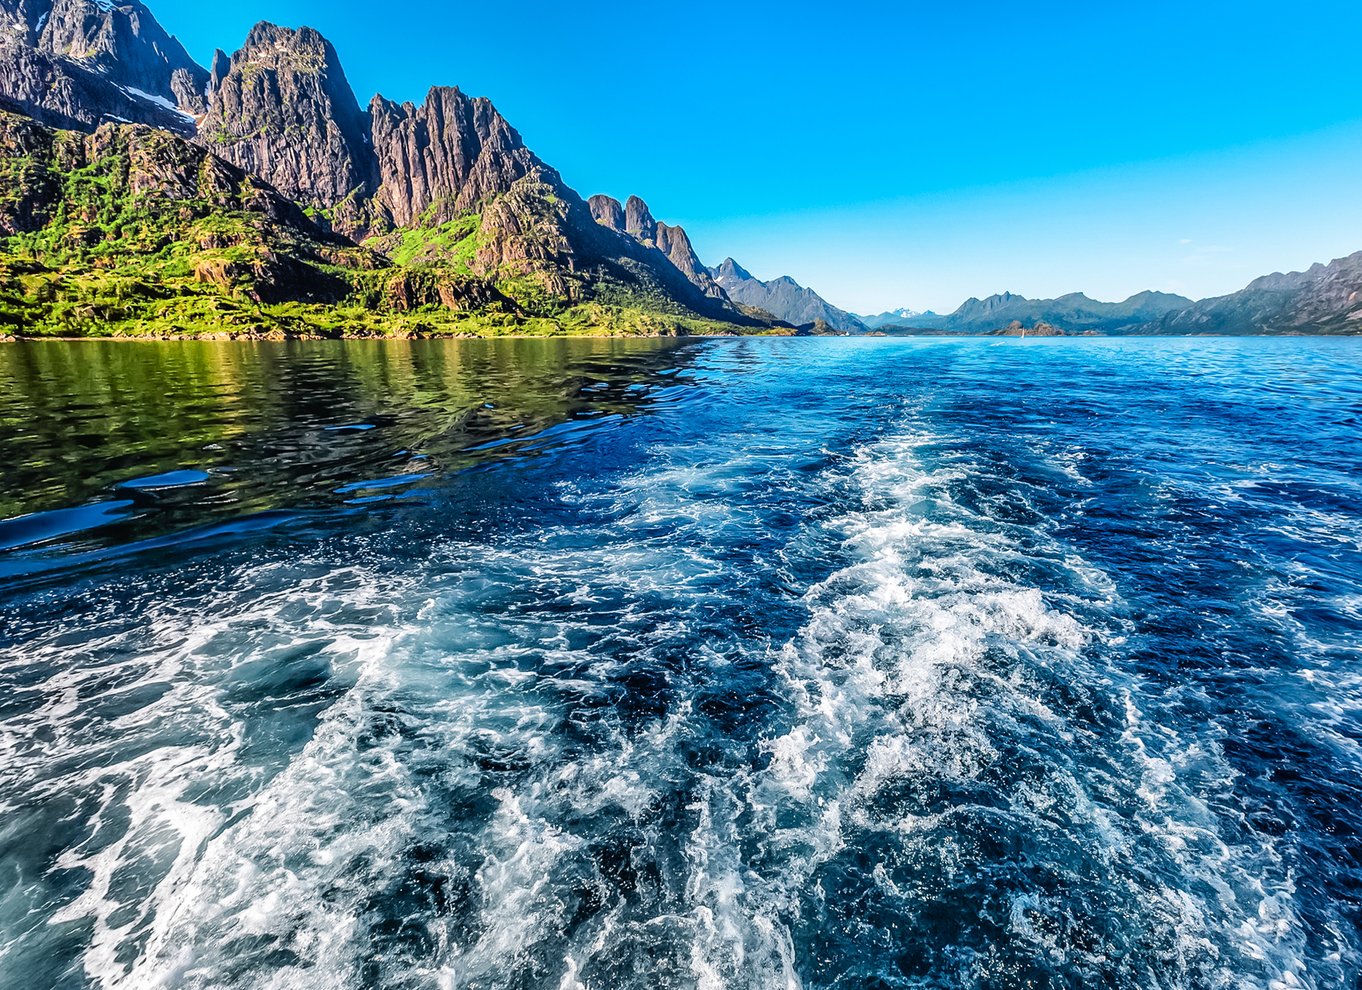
(147, 196)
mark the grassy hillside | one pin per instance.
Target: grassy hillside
(135, 232)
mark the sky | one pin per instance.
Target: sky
(908, 154)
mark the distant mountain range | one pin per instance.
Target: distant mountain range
(784, 298)
(1326, 299)
(1074, 313)
(897, 318)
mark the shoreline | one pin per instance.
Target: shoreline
(267, 338)
(275, 339)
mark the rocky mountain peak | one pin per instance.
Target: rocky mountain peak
(222, 64)
(638, 220)
(635, 220)
(675, 243)
(283, 110)
(450, 155)
(730, 269)
(77, 63)
(608, 212)
(121, 41)
(784, 298)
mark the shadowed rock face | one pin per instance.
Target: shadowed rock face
(122, 42)
(675, 243)
(450, 155)
(608, 212)
(77, 63)
(61, 93)
(282, 109)
(635, 220)
(638, 220)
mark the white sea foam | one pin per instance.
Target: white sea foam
(151, 836)
(919, 699)
(923, 661)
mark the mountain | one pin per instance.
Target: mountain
(135, 231)
(146, 194)
(635, 220)
(79, 63)
(895, 318)
(1327, 299)
(439, 207)
(784, 298)
(1074, 313)
(281, 108)
(443, 158)
(134, 228)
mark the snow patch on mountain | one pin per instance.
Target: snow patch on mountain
(160, 101)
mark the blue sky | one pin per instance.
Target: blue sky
(908, 154)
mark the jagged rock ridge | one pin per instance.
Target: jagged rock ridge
(78, 63)
(450, 155)
(282, 109)
(635, 220)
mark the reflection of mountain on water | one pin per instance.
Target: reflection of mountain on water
(181, 436)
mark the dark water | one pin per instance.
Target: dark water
(732, 664)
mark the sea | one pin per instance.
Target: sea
(724, 664)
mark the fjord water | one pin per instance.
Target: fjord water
(716, 664)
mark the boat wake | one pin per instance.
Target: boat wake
(740, 717)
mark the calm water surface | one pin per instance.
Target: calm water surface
(769, 664)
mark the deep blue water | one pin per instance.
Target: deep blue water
(723, 664)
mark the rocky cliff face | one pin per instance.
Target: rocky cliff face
(450, 155)
(77, 63)
(532, 230)
(635, 220)
(281, 108)
(608, 212)
(638, 220)
(675, 243)
(124, 43)
(783, 298)
(132, 161)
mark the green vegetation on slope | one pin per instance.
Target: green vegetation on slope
(134, 232)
